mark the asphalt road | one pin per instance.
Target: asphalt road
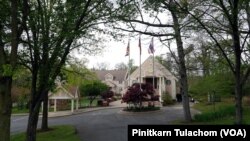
(107, 124)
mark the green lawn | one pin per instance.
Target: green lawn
(220, 113)
(16, 110)
(84, 102)
(58, 133)
(205, 106)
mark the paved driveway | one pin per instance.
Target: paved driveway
(106, 124)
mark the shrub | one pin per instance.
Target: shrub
(155, 98)
(107, 95)
(167, 99)
(136, 95)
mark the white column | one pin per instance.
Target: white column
(48, 105)
(77, 104)
(41, 106)
(160, 92)
(163, 84)
(54, 105)
(173, 87)
(72, 105)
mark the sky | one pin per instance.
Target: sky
(115, 51)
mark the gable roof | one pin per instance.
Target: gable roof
(62, 93)
(147, 69)
(73, 90)
(118, 75)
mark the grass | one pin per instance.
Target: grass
(84, 102)
(222, 113)
(205, 106)
(61, 133)
(16, 110)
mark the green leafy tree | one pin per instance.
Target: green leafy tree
(54, 29)
(75, 72)
(220, 83)
(92, 89)
(223, 20)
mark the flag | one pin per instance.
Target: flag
(151, 47)
(140, 44)
(128, 48)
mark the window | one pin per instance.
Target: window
(109, 77)
(134, 81)
(168, 82)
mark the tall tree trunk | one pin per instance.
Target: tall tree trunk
(205, 61)
(237, 53)
(5, 107)
(32, 121)
(181, 64)
(238, 77)
(44, 126)
(6, 78)
(34, 107)
(238, 101)
(39, 92)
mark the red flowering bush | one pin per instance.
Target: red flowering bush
(107, 95)
(155, 98)
(136, 94)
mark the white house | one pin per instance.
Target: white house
(164, 80)
(112, 78)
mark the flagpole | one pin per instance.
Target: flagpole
(153, 71)
(129, 68)
(140, 59)
(140, 71)
(151, 50)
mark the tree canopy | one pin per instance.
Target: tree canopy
(92, 89)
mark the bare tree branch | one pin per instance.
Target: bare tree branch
(231, 65)
(226, 12)
(245, 40)
(171, 52)
(147, 23)
(139, 10)
(146, 33)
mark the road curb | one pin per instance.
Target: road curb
(80, 112)
(140, 113)
(21, 114)
(58, 114)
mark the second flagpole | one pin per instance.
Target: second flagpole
(140, 59)
(129, 65)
